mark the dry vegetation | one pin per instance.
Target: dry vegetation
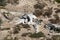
(56, 20)
(44, 8)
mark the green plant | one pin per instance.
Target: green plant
(37, 35)
(2, 3)
(13, 1)
(6, 38)
(25, 25)
(25, 34)
(0, 21)
(38, 13)
(56, 37)
(39, 6)
(58, 1)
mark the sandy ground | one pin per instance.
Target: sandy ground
(26, 6)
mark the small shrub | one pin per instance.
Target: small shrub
(25, 25)
(58, 1)
(56, 20)
(25, 34)
(6, 38)
(39, 6)
(13, 1)
(37, 35)
(15, 38)
(57, 11)
(16, 30)
(56, 37)
(48, 13)
(56, 16)
(0, 21)
(2, 3)
(37, 13)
